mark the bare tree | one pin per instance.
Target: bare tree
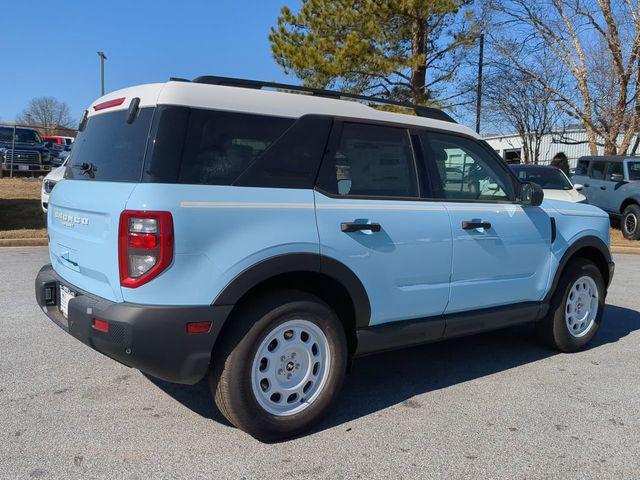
(597, 43)
(514, 100)
(48, 113)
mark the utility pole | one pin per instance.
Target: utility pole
(13, 151)
(479, 91)
(103, 57)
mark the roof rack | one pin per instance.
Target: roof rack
(427, 112)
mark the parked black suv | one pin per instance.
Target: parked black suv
(28, 153)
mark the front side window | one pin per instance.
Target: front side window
(634, 170)
(597, 170)
(461, 169)
(370, 160)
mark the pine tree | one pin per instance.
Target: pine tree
(407, 50)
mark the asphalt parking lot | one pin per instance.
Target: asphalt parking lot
(493, 406)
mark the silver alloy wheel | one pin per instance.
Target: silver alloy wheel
(290, 367)
(631, 223)
(582, 306)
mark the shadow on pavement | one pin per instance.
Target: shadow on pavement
(381, 381)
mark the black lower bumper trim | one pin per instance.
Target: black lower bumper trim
(151, 338)
(407, 333)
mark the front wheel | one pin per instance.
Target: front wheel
(576, 308)
(630, 224)
(284, 363)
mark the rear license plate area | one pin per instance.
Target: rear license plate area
(66, 294)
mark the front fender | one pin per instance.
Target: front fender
(585, 241)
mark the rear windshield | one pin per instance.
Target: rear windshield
(548, 178)
(110, 149)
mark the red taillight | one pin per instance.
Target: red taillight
(109, 103)
(101, 325)
(143, 240)
(198, 327)
(145, 246)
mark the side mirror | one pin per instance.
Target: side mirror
(48, 144)
(616, 177)
(578, 186)
(531, 194)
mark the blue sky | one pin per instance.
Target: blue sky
(49, 48)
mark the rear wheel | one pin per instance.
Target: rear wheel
(630, 224)
(284, 363)
(576, 308)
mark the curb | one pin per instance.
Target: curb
(627, 250)
(23, 242)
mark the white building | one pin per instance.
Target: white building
(573, 142)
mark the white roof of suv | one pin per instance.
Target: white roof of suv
(264, 102)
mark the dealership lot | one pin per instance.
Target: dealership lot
(496, 406)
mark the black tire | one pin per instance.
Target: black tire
(630, 223)
(231, 380)
(554, 329)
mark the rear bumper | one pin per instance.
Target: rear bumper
(152, 339)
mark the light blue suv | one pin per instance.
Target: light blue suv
(613, 184)
(263, 239)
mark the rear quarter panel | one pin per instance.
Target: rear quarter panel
(219, 232)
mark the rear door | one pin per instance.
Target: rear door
(597, 183)
(371, 218)
(581, 176)
(610, 201)
(501, 249)
(84, 209)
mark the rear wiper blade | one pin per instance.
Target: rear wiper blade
(87, 168)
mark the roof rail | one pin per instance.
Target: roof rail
(427, 112)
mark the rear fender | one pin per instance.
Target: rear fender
(293, 263)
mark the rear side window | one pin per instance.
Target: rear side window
(597, 170)
(634, 170)
(615, 168)
(227, 148)
(293, 160)
(582, 168)
(110, 149)
(219, 146)
(370, 160)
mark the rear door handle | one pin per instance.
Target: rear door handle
(359, 227)
(603, 188)
(587, 185)
(473, 225)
